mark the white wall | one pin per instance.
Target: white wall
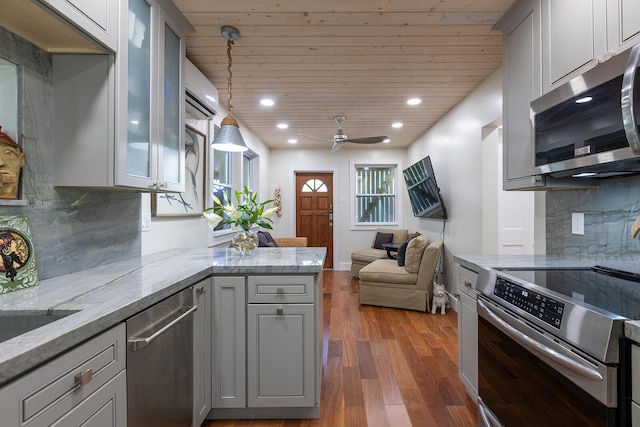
(192, 232)
(285, 162)
(455, 147)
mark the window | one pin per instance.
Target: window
(222, 181)
(248, 172)
(374, 189)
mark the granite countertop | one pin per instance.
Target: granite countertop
(111, 293)
(475, 262)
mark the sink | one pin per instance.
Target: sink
(14, 322)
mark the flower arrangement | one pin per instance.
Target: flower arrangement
(247, 213)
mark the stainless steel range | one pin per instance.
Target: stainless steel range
(551, 347)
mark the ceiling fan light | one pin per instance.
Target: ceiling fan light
(229, 138)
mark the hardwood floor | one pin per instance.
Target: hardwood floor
(383, 366)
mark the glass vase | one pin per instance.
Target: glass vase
(245, 242)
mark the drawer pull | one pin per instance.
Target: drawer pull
(83, 378)
(468, 284)
(279, 311)
(280, 291)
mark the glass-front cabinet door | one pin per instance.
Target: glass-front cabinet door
(171, 147)
(150, 146)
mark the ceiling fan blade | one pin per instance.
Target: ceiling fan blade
(368, 140)
(336, 147)
(315, 137)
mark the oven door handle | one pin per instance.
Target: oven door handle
(570, 363)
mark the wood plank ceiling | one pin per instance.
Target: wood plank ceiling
(361, 59)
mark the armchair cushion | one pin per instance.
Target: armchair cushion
(413, 256)
(382, 238)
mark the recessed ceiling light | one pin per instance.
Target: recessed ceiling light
(283, 126)
(414, 101)
(396, 125)
(267, 102)
(386, 141)
(292, 141)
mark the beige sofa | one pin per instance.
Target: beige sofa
(363, 257)
(384, 283)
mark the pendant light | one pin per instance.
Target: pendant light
(229, 138)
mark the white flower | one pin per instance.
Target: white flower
(212, 218)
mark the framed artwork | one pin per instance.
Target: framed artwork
(191, 201)
(18, 269)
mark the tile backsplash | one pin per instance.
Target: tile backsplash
(609, 212)
(72, 229)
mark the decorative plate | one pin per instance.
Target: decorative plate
(18, 269)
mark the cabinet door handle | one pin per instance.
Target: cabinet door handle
(279, 311)
(456, 295)
(280, 291)
(83, 378)
(201, 290)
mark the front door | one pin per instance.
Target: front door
(314, 210)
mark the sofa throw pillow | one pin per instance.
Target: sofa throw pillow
(265, 240)
(402, 250)
(413, 256)
(382, 238)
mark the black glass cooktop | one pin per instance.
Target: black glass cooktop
(612, 290)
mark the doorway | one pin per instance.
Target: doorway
(314, 210)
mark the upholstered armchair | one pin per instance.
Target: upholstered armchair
(384, 282)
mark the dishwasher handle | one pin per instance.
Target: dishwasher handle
(136, 344)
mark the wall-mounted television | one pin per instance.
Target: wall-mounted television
(424, 194)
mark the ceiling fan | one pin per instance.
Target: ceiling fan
(340, 138)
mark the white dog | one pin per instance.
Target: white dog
(440, 299)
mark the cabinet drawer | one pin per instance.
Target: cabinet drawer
(467, 281)
(54, 389)
(280, 289)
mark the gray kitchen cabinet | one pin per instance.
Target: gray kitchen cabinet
(623, 29)
(229, 363)
(579, 34)
(98, 19)
(86, 386)
(467, 329)
(521, 84)
(119, 119)
(282, 360)
(202, 351)
(574, 38)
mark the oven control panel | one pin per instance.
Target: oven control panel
(544, 308)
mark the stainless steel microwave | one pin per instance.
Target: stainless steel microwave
(589, 126)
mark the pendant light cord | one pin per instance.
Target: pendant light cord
(229, 106)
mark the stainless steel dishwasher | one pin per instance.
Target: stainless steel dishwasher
(160, 363)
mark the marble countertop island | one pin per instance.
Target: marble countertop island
(104, 296)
